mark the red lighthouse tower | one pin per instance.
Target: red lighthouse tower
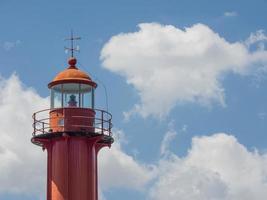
(72, 131)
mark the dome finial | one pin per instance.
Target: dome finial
(72, 62)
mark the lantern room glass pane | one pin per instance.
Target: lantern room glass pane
(72, 95)
(86, 96)
(56, 97)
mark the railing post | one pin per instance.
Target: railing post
(43, 127)
(109, 127)
(63, 111)
(34, 124)
(102, 122)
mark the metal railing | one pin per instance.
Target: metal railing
(100, 123)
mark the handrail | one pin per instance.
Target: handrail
(100, 123)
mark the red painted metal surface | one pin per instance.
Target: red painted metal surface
(72, 160)
(72, 75)
(72, 119)
(72, 168)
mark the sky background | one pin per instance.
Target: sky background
(186, 84)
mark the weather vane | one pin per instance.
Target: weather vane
(72, 48)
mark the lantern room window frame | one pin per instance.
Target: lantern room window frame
(83, 100)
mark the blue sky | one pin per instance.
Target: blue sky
(118, 51)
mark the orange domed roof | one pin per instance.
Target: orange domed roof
(72, 75)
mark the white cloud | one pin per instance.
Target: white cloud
(259, 38)
(170, 66)
(258, 41)
(119, 170)
(230, 14)
(216, 167)
(22, 164)
(167, 139)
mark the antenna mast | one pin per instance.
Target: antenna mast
(72, 48)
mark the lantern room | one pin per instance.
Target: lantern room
(72, 88)
(72, 94)
(72, 107)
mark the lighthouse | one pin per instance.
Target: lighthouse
(72, 131)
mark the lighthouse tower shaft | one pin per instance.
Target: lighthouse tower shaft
(72, 132)
(72, 168)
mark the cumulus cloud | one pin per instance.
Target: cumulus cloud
(22, 164)
(170, 66)
(216, 167)
(257, 39)
(114, 163)
(258, 36)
